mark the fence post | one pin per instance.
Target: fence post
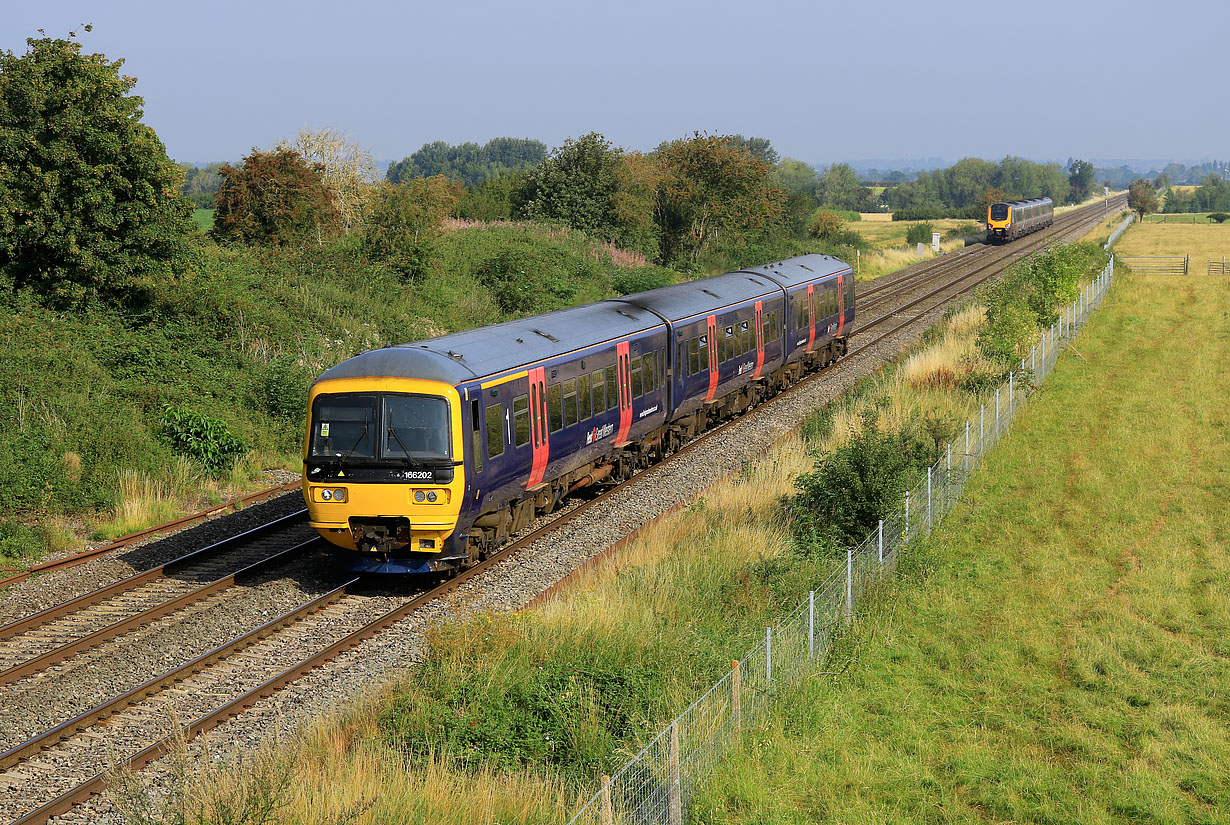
(907, 516)
(880, 541)
(996, 412)
(811, 623)
(982, 429)
(676, 794)
(967, 446)
(849, 584)
(606, 811)
(1009, 392)
(928, 500)
(768, 655)
(1033, 359)
(736, 694)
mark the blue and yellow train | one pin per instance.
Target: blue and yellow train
(1009, 220)
(428, 456)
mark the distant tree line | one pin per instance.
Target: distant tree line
(1212, 195)
(469, 163)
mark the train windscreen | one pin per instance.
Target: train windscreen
(379, 426)
(999, 211)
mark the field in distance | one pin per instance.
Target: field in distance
(1204, 242)
(1061, 652)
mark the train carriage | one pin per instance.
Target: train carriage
(428, 456)
(1009, 220)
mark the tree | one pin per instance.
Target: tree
(797, 177)
(576, 185)
(89, 201)
(825, 224)
(346, 168)
(468, 162)
(839, 187)
(1142, 197)
(712, 190)
(275, 198)
(406, 220)
(758, 146)
(1080, 179)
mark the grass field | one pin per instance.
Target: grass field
(1203, 242)
(1064, 655)
(882, 233)
(204, 219)
(1179, 217)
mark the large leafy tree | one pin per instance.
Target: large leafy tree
(1142, 197)
(405, 221)
(577, 185)
(89, 201)
(275, 198)
(1080, 179)
(713, 191)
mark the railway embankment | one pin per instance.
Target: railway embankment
(532, 708)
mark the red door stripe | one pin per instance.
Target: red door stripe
(811, 314)
(711, 324)
(841, 305)
(759, 338)
(622, 356)
(538, 426)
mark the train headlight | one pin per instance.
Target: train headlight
(326, 495)
(339, 494)
(419, 495)
(431, 495)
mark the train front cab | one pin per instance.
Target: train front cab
(383, 476)
(999, 223)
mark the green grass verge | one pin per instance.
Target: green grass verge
(1066, 656)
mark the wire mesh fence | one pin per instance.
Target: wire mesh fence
(656, 784)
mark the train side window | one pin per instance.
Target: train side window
(585, 394)
(693, 357)
(521, 420)
(612, 388)
(702, 354)
(599, 393)
(662, 367)
(651, 380)
(570, 402)
(850, 292)
(747, 337)
(724, 351)
(638, 388)
(554, 407)
(495, 431)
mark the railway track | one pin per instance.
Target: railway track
(52, 771)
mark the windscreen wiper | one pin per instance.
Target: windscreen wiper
(342, 459)
(400, 443)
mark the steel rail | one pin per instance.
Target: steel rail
(84, 643)
(161, 571)
(132, 538)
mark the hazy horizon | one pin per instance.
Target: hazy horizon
(824, 82)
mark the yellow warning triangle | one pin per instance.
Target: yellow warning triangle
(340, 473)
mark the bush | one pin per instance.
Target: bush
(18, 541)
(919, 213)
(824, 224)
(1218, 217)
(525, 280)
(642, 279)
(284, 389)
(852, 487)
(199, 436)
(919, 233)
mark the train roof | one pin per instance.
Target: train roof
(463, 356)
(1024, 201)
(704, 296)
(801, 269)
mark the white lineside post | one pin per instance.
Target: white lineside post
(1033, 360)
(1010, 392)
(811, 624)
(849, 584)
(907, 516)
(605, 809)
(880, 541)
(768, 655)
(928, 500)
(982, 429)
(996, 412)
(676, 791)
(736, 694)
(967, 446)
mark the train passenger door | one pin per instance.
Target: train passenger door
(623, 356)
(538, 426)
(712, 352)
(811, 316)
(841, 304)
(759, 338)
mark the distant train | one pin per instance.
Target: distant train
(1010, 220)
(427, 457)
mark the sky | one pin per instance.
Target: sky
(824, 81)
